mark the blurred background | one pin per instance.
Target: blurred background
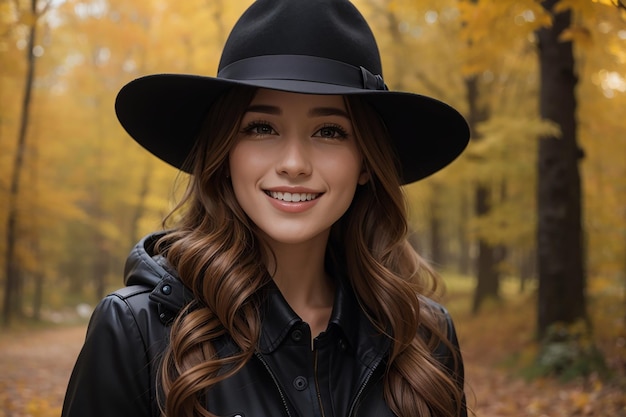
(527, 227)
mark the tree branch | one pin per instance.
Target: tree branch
(45, 8)
(620, 4)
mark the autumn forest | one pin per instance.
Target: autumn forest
(527, 227)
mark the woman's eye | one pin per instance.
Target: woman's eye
(259, 129)
(332, 132)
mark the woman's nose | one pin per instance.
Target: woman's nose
(295, 160)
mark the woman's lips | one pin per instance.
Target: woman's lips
(292, 201)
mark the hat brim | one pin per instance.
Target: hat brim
(164, 113)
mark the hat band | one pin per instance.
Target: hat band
(302, 68)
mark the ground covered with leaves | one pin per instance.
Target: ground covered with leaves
(35, 366)
(500, 353)
(497, 345)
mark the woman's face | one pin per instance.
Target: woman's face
(295, 165)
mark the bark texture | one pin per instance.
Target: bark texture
(559, 231)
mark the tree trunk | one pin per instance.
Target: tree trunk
(100, 255)
(559, 232)
(144, 189)
(526, 267)
(464, 245)
(12, 293)
(436, 249)
(487, 276)
(436, 252)
(100, 265)
(38, 296)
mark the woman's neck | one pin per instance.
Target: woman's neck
(300, 275)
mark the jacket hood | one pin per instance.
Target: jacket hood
(143, 266)
(146, 268)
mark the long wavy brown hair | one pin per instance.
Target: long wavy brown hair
(217, 255)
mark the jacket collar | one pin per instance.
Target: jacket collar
(347, 316)
(278, 318)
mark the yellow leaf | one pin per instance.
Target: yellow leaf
(563, 6)
(580, 400)
(28, 19)
(580, 35)
(544, 19)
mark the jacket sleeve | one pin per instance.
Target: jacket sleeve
(111, 377)
(453, 361)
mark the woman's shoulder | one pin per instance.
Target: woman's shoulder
(113, 372)
(151, 298)
(441, 317)
(436, 309)
(125, 306)
(447, 350)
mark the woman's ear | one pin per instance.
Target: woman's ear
(364, 177)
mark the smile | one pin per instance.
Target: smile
(292, 197)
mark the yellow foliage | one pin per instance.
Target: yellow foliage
(565, 5)
(7, 15)
(603, 284)
(605, 2)
(40, 407)
(584, 7)
(513, 22)
(580, 35)
(84, 174)
(27, 18)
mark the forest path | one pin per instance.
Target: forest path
(35, 366)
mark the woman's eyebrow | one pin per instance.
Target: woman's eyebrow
(264, 108)
(328, 111)
(314, 112)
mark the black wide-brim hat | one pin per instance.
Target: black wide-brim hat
(301, 46)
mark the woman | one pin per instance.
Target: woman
(286, 286)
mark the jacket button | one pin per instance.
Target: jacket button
(166, 289)
(300, 383)
(342, 345)
(296, 335)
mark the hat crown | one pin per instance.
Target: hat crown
(332, 29)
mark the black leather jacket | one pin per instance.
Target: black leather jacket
(115, 374)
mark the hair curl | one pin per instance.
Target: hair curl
(218, 256)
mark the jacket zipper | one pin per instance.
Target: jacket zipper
(317, 386)
(362, 388)
(280, 391)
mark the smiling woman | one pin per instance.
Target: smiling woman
(286, 285)
(292, 146)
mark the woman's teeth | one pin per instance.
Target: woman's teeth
(292, 197)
